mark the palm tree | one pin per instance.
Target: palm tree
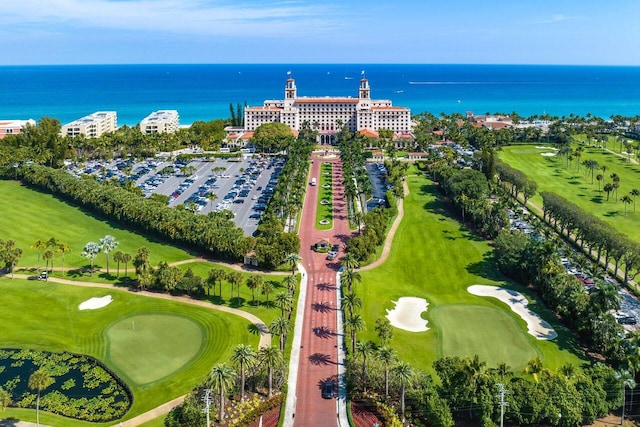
(386, 356)
(364, 349)
(280, 327)
(290, 282)
(47, 256)
(39, 245)
(5, 399)
(404, 373)
(534, 367)
(117, 257)
(211, 197)
(53, 244)
(254, 282)
(292, 259)
(608, 188)
(348, 278)
(626, 380)
(599, 178)
(90, 251)
(626, 200)
(351, 302)
(216, 275)
(473, 368)
(235, 278)
(39, 381)
(349, 262)
(63, 249)
(126, 259)
(284, 301)
(244, 356)
(267, 289)
(221, 378)
(271, 357)
(634, 193)
(355, 324)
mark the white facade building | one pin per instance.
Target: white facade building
(328, 115)
(163, 121)
(93, 125)
(13, 127)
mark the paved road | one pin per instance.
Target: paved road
(319, 341)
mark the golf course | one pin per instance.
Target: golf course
(435, 258)
(160, 348)
(573, 181)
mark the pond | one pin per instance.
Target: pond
(83, 388)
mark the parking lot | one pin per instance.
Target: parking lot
(241, 186)
(377, 174)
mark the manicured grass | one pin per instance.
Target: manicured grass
(325, 212)
(552, 174)
(45, 316)
(145, 345)
(27, 215)
(435, 258)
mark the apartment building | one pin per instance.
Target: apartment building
(162, 121)
(92, 126)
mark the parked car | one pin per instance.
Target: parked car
(328, 390)
(332, 255)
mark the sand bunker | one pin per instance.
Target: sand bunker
(95, 303)
(406, 314)
(548, 154)
(546, 148)
(537, 327)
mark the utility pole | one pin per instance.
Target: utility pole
(502, 393)
(207, 404)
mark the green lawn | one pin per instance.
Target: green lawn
(324, 212)
(435, 258)
(552, 174)
(27, 215)
(160, 348)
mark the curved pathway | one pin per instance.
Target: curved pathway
(165, 408)
(318, 332)
(392, 232)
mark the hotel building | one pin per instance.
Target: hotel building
(163, 121)
(328, 115)
(92, 126)
(13, 127)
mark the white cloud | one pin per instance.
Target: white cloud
(557, 18)
(201, 17)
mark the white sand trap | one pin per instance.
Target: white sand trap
(548, 154)
(537, 327)
(547, 148)
(95, 303)
(406, 314)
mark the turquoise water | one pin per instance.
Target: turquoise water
(203, 92)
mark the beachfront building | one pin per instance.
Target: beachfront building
(328, 115)
(162, 121)
(13, 127)
(92, 126)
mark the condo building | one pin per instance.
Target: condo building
(328, 115)
(163, 121)
(13, 127)
(92, 126)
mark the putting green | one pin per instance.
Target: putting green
(489, 332)
(150, 347)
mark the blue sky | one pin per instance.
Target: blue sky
(584, 32)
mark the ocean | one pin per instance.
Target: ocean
(204, 92)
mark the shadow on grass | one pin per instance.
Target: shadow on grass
(258, 329)
(597, 199)
(611, 214)
(486, 268)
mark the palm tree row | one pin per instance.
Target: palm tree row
(247, 363)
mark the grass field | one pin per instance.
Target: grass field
(324, 212)
(160, 348)
(27, 215)
(552, 174)
(435, 258)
